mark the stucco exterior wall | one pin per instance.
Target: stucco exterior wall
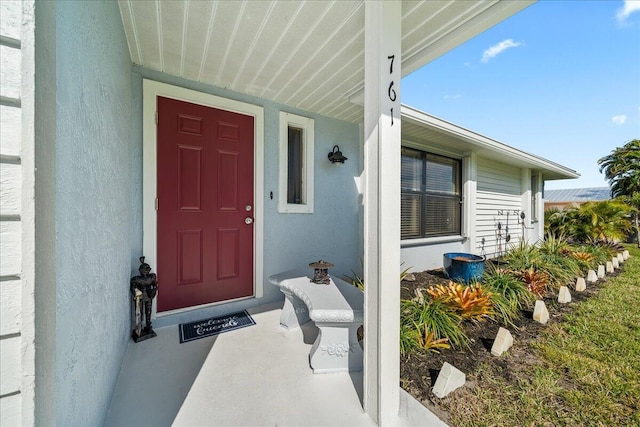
(93, 209)
(290, 240)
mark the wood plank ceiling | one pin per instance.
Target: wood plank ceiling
(306, 54)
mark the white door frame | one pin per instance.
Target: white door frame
(150, 91)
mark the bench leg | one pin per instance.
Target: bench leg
(294, 311)
(336, 349)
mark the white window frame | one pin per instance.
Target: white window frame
(307, 126)
(535, 199)
(413, 241)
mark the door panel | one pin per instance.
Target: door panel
(189, 178)
(205, 179)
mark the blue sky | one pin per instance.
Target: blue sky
(561, 79)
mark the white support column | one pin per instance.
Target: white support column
(469, 190)
(382, 209)
(28, 334)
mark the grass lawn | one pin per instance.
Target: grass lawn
(585, 370)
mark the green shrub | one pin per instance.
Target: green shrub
(601, 253)
(408, 339)
(523, 257)
(434, 316)
(554, 245)
(508, 294)
(561, 269)
(606, 220)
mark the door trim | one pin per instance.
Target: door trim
(150, 91)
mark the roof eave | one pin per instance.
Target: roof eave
(491, 16)
(549, 169)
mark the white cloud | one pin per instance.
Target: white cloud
(619, 120)
(630, 6)
(456, 96)
(495, 50)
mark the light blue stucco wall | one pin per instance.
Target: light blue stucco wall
(290, 240)
(94, 212)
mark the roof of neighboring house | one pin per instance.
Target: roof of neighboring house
(578, 194)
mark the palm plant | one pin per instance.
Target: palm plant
(622, 169)
(605, 220)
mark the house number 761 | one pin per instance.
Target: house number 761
(391, 92)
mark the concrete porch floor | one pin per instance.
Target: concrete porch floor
(255, 376)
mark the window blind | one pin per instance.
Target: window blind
(430, 195)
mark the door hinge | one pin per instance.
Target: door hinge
(156, 203)
(156, 118)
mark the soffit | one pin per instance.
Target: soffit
(305, 54)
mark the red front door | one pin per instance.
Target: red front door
(205, 205)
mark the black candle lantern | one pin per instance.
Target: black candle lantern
(321, 272)
(143, 289)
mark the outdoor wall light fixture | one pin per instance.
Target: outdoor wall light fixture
(335, 156)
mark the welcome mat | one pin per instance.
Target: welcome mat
(213, 326)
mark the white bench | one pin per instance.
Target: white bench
(336, 309)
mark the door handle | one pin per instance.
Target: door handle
(248, 220)
(248, 208)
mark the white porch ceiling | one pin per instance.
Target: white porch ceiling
(306, 54)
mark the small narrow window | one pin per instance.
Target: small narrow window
(535, 189)
(296, 164)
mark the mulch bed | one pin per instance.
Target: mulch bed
(419, 371)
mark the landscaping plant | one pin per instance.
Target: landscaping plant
(608, 220)
(600, 254)
(585, 260)
(509, 295)
(622, 169)
(583, 369)
(471, 302)
(536, 281)
(432, 315)
(427, 341)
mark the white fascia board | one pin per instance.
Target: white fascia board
(531, 160)
(493, 14)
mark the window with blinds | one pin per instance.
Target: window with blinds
(430, 195)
